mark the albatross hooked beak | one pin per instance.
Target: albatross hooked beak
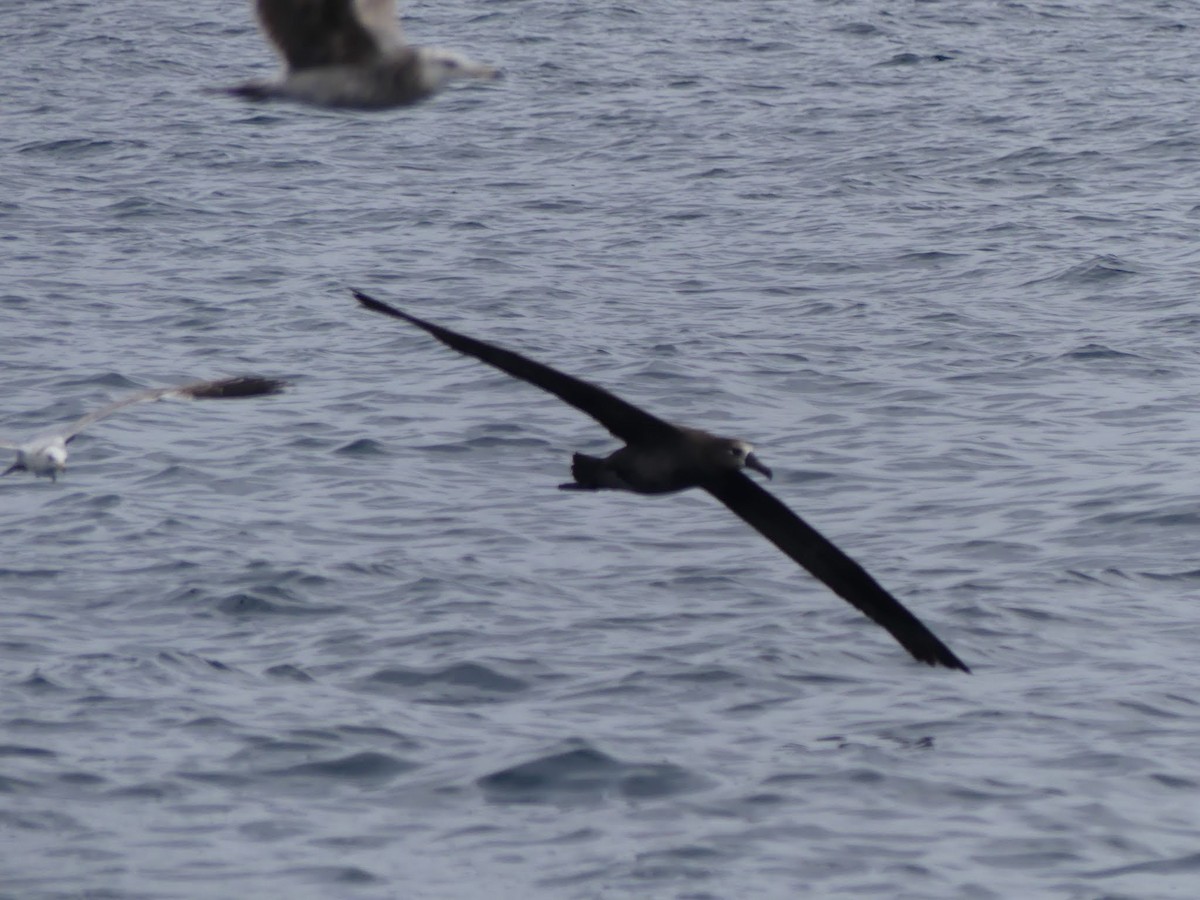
(753, 462)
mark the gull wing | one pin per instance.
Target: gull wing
(312, 33)
(222, 389)
(623, 420)
(846, 578)
(379, 18)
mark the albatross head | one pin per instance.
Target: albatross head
(438, 67)
(733, 454)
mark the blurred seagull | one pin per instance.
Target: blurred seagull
(660, 458)
(352, 54)
(46, 454)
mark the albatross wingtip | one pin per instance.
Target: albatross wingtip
(380, 307)
(944, 656)
(371, 303)
(957, 664)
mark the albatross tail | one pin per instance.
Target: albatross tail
(250, 90)
(588, 472)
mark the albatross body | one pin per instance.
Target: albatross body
(661, 458)
(352, 54)
(46, 454)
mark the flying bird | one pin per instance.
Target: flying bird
(352, 54)
(660, 458)
(46, 454)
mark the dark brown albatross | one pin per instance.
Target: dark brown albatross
(661, 458)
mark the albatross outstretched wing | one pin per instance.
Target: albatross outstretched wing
(803, 543)
(222, 389)
(312, 33)
(623, 420)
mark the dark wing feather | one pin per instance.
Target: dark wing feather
(312, 33)
(231, 388)
(623, 420)
(844, 576)
(223, 389)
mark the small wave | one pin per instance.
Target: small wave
(75, 147)
(150, 790)
(459, 675)
(247, 603)
(1093, 351)
(491, 440)
(289, 672)
(39, 682)
(1188, 519)
(1095, 270)
(1174, 782)
(857, 28)
(1188, 575)
(334, 874)
(29, 573)
(915, 59)
(26, 752)
(583, 772)
(930, 258)
(1178, 865)
(366, 766)
(362, 447)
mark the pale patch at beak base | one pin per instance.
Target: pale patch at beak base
(753, 462)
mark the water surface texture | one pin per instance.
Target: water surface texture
(938, 260)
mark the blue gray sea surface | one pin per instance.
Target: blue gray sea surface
(938, 260)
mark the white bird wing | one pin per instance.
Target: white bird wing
(221, 389)
(314, 33)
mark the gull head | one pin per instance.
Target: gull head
(439, 67)
(56, 461)
(42, 458)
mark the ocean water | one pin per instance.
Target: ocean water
(938, 260)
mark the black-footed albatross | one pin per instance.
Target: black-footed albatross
(660, 458)
(46, 454)
(351, 54)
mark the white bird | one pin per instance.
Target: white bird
(351, 53)
(46, 454)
